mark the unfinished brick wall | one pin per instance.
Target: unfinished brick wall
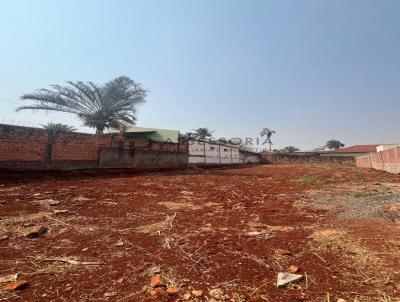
(387, 160)
(22, 144)
(34, 148)
(79, 146)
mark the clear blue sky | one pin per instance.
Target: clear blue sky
(311, 70)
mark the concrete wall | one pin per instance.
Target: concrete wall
(387, 160)
(120, 158)
(308, 158)
(247, 157)
(204, 152)
(24, 148)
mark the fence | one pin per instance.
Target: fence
(387, 160)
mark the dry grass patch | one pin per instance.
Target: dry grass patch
(185, 205)
(338, 242)
(356, 262)
(257, 229)
(153, 227)
(87, 229)
(83, 198)
(5, 190)
(178, 205)
(20, 224)
(32, 218)
(206, 229)
(47, 202)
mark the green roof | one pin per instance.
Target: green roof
(159, 135)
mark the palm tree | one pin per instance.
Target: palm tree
(203, 133)
(268, 133)
(99, 107)
(58, 128)
(334, 144)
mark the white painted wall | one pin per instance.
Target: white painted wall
(212, 153)
(381, 148)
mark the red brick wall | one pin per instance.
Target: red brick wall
(24, 148)
(22, 143)
(79, 146)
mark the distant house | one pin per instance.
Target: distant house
(154, 134)
(385, 147)
(356, 150)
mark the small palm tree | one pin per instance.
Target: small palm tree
(99, 107)
(58, 128)
(334, 144)
(203, 133)
(268, 133)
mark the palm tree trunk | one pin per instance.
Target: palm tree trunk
(99, 130)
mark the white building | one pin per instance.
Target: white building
(384, 147)
(212, 152)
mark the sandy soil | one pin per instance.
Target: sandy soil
(218, 234)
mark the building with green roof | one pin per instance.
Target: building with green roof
(154, 134)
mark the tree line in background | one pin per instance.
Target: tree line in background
(203, 133)
(206, 133)
(199, 133)
(332, 144)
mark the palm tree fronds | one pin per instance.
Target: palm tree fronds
(98, 106)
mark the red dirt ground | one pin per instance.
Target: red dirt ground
(228, 229)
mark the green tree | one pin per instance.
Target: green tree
(187, 135)
(334, 144)
(203, 133)
(290, 149)
(123, 126)
(58, 128)
(98, 106)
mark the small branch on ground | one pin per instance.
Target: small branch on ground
(73, 261)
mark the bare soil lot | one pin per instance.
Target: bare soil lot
(221, 234)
